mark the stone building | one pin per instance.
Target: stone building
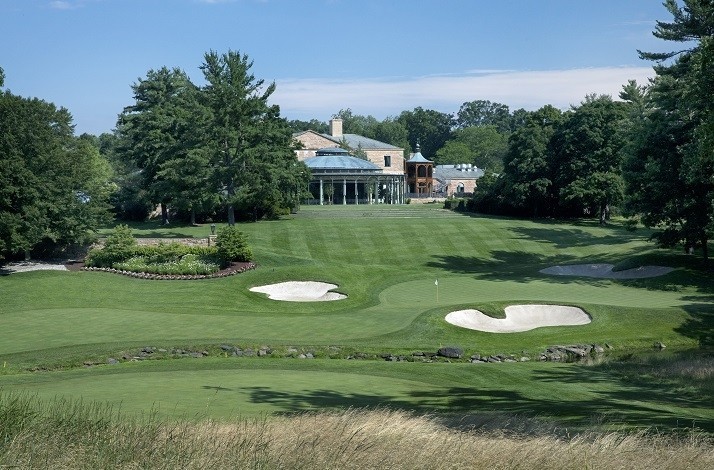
(387, 157)
(384, 176)
(456, 180)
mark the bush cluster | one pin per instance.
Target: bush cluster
(232, 245)
(460, 204)
(122, 252)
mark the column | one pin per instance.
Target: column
(344, 191)
(376, 191)
(322, 194)
(356, 193)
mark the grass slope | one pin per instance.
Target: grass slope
(385, 258)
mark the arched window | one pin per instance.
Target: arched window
(460, 188)
(421, 171)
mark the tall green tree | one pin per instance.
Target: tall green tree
(484, 113)
(588, 157)
(159, 131)
(428, 128)
(678, 133)
(249, 143)
(528, 165)
(484, 146)
(53, 186)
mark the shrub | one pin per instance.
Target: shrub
(120, 245)
(232, 245)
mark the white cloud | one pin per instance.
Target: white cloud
(320, 98)
(62, 5)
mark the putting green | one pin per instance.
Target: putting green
(399, 306)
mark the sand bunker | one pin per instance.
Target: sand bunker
(519, 318)
(604, 271)
(300, 291)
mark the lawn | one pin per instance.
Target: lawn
(386, 259)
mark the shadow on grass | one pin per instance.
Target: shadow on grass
(614, 393)
(700, 324)
(561, 237)
(515, 266)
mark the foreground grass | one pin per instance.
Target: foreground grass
(664, 392)
(70, 434)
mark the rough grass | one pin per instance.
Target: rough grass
(69, 434)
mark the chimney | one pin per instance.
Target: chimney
(336, 127)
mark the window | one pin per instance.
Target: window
(460, 188)
(387, 160)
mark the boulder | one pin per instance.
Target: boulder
(451, 352)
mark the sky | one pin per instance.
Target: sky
(375, 57)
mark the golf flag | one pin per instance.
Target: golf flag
(436, 282)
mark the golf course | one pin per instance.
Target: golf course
(212, 349)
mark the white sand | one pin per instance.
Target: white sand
(519, 318)
(605, 271)
(24, 266)
(300, 291)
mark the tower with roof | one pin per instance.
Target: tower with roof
(420, 175)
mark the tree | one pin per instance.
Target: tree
(428, 128)
(678, 133)
(393, 132)
(484, 113)
(2, 77)
(159, 131)
(484, 146)
(53, 186)
(528, 170)
(297, 125)
(249, 143)
(588, 157)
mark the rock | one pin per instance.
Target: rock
(262, 352)
(575, 350)
(598, 349)
(237, 352)
(493, 359)
(476, 357)
(196, 354)
(302, 356)
(659, 345)
(525, 359)
(451, 352)
(112, 361)
(309, 355)
(227, 347)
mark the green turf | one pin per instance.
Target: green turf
(386, 259)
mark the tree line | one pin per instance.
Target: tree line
(220, 151)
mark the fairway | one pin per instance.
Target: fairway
(386, 259)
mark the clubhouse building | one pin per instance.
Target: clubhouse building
(382, 176)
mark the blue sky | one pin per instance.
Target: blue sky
(377, 57)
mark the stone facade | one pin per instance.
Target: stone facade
(387, 157)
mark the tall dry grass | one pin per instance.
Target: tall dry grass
(63, 434)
